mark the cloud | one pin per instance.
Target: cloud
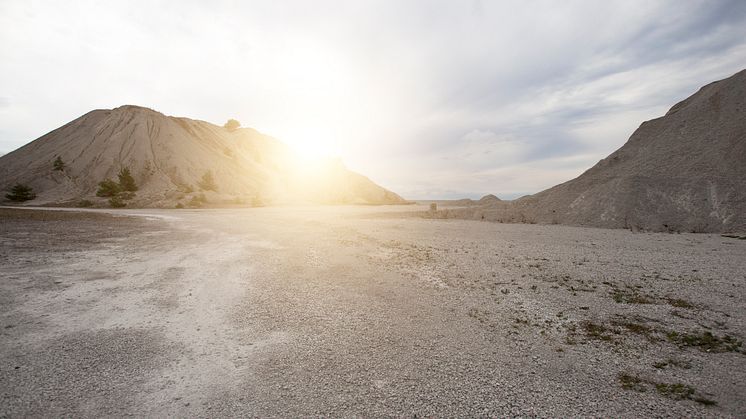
(430, 98)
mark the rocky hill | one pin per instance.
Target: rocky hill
(170, 158)
(684, 171)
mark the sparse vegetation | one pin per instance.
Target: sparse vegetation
(630, 297)
(638, 329)
(207, 183)
(232, 125)
(126, 195)
(116, 202)
(20, 193)
(598, 331)
(705, 341)
(84, 203)
(675, 391)
(108, 188)
(126, 181)
(118, 192)
(680, 303)
(631, 382)
(58, 164)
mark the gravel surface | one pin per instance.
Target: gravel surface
(362, 311)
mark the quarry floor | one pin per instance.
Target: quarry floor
(363, 311)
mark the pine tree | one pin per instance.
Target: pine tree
(126, 181)
(108, 188)
(20, 193)
(59, 164)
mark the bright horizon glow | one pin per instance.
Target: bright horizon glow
(429, 98)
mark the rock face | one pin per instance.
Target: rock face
(169, 156)
(685, 171)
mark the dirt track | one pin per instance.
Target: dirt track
(357, 311)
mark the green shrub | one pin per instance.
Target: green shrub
(20, 193)
(125, 195)
(126, 181)
(116, 202)
(59, 164)
(706, 341)
(108, 188)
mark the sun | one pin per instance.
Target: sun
(318, 109)
(313, 142)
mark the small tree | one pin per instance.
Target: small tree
(116, 202)
(59, 164)
(108, 188)
(232, 125)
(20, 193)
(126, 181)
(207, 182)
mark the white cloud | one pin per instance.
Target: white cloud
(425, 97)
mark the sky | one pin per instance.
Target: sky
(432, 99)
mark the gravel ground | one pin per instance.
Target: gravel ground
(363, 311)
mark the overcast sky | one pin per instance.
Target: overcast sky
(433, 99)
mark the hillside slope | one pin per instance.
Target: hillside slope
(684, 171)
(168, 157)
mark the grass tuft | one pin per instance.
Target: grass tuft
(625, 297)
(705, 341)
(675, 391)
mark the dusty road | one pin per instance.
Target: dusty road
(359, 312)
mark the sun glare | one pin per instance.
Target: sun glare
(312, 143)
(320, 82)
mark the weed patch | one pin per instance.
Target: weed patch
(675, 391)
(706, 341)
(627, 297)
